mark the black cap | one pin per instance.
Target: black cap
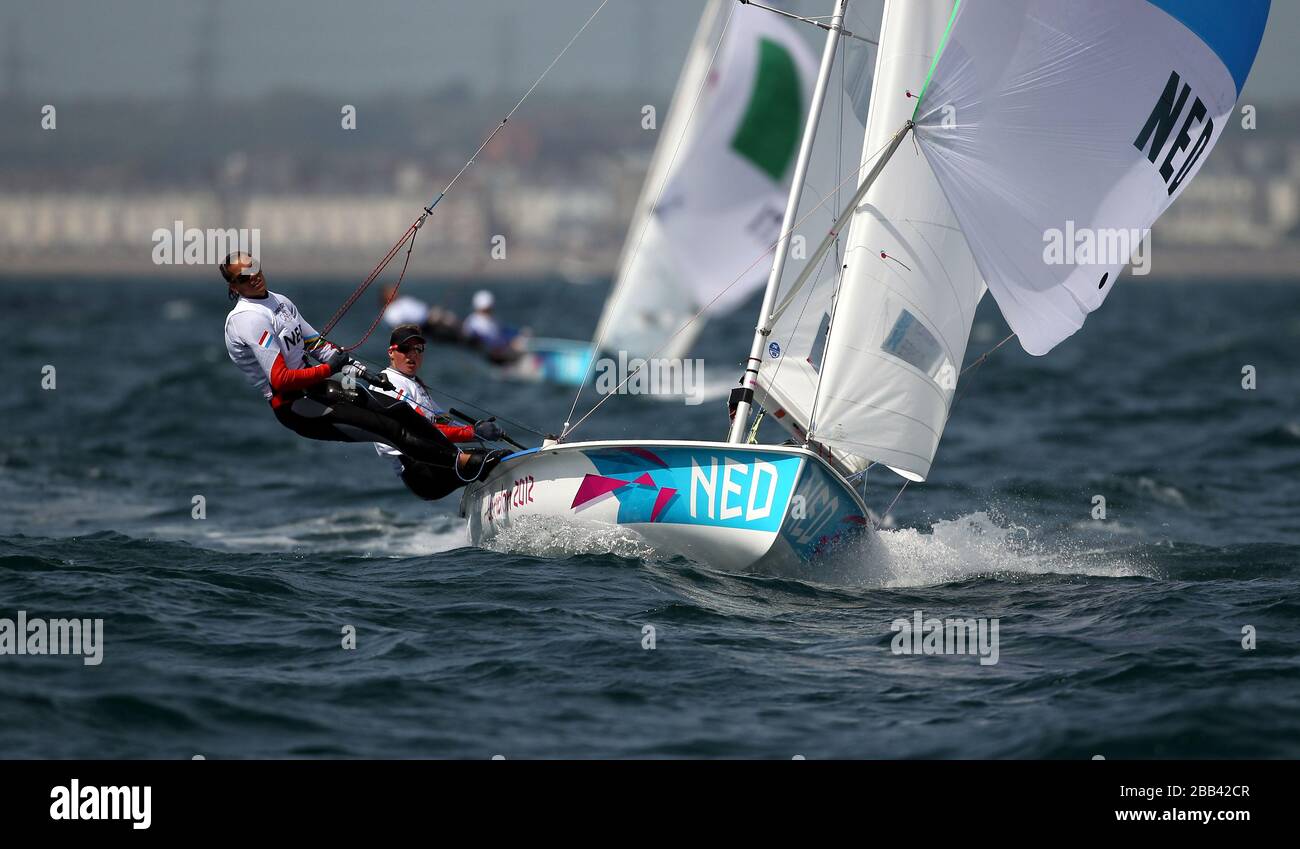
(404, 333)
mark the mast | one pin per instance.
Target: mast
(834, 233)
(750, 378)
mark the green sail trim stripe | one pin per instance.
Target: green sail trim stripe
(943, 42)
(769, 133)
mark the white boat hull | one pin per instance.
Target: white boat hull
(758, 509)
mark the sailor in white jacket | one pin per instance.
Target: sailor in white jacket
(429, 481)
(269, 342)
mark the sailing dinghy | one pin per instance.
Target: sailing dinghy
(1026, 115)
(564, 362)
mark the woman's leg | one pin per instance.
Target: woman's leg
(429, 482)
(348, 421)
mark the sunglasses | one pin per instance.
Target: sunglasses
(411, 348)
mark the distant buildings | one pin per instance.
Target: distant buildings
(554, 196)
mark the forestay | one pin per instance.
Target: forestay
(788, 376)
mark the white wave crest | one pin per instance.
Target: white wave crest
(545, 537)
(977, 546)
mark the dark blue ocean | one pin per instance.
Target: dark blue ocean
(1120, 637)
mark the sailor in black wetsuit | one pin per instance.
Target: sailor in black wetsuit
(426, 480)
(268, 340)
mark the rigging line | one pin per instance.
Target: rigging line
(897, 496)
(974, 366)
(699, 93)
(531, 88)
(567, 429)
(797, 322)
(440, 417)
(410, 246)
(839, 139)
(839, 273)
(428, 210)
(826, 343)
(839, 172)
(980, 359)
(370, 278)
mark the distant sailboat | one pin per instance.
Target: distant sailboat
(718, 180)
(1027, 114)
(711, 200)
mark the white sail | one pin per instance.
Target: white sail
(787, 379)
(788, 375)
(648, 299)
(910, 285)
(1061, 130)
(720, 180)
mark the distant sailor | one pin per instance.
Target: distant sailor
(403, 309)
(428, 481)
(435, 323)
(501, 344)
(268, 340)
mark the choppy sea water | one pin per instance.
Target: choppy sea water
(222, 636)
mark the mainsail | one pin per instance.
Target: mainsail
(910, 285)
(1052, 117)
(712, 200)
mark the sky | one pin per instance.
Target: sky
(73, 48)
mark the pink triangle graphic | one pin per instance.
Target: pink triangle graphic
(661, 501)
(645, 480)
(594, 486)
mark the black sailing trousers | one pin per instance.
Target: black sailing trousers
(428, 481)
(327, 411)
